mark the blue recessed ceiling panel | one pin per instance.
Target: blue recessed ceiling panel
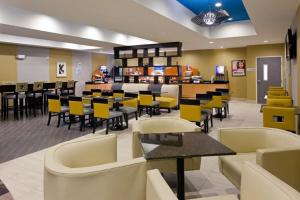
(235, 8)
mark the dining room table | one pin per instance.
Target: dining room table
(180, 146)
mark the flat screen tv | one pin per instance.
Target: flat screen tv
(291, 45)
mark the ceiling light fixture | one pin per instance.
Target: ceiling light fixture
(266, 41)
(212, 16)
(211, 42)
(218, 4)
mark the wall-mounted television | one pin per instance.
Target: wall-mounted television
(291, 45)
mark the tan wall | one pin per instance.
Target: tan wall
(58, 55)
(8, 63)
(298, 53)
(206, 61)
(98, 60)
(259, 51)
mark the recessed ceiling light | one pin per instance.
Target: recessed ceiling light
(211, 42)
(230, 19)
(266, 41)
(218, 4)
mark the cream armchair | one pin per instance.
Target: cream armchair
(271, 148)
(163, 125)
(87, 168)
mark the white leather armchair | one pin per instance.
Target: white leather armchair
(271, 148)
(163, 125)
(87, 169)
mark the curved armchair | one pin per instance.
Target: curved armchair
(264, 146)
(86, 168)
(163, 125)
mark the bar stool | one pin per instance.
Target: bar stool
(35, 97)
(146, 101)
(102, 112)
(56, 109)
(77, 108)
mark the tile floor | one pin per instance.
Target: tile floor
(24, 175)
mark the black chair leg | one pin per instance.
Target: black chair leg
(136, 116)
(95, 124)
(107, 126)
(211, 120)
(126, 120)
(140, 110)
(70, 122)
(49, 119)
(150, 111)
(169, 110)
(82, 122)
(58, 120)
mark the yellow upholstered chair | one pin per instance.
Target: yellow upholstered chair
(146, 101)
(102, 112)
(161, 125)
(130, 106)
(55, 108)
(118, 93)
(279, 117)
(277, 93)
(279, 97)
(77, 108)
(275, 88)
(279, 102)
(191, 110)
(96, 92)
(218, 104)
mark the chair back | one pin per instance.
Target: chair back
(70, 84)
(190, 110)
(225, 93)
(107, 94)
(101, 108)
(22, 87)
(54, 104)
(259, 184)
(276, 93)
(131, 102)
(279, 102)
(279, 117)
(87, 93)
(204, 96)
(275, 88)
(38, 86)
(280, 97)
(146, 98)
(118, 93)
(76, 105)
(216, 99)
(96, 92)
(58, 85)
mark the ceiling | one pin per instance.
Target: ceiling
(108, 23)
(235, 8)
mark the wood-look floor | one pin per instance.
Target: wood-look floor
(28, 135)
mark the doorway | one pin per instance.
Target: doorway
(268, 74)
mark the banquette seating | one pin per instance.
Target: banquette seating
(275, 150)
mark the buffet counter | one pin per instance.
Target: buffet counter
(187, 90)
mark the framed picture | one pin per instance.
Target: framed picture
(238, 67)
(61, 69)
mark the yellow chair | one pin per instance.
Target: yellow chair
(190, 110)
(56, 109)
(146, 101)
(77, 108)
(218, 104)
(279, 117)
(130, 106)
(275, 88)
(206, 107)
(279, 102)
(276, 93)
(96, 92)
(279, 97)
(101, 111)
(118, 93)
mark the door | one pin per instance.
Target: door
(268, 74)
